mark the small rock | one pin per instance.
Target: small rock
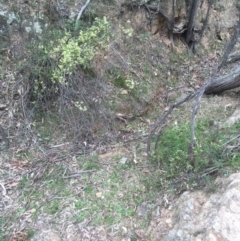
(232, 120)
(143, 209)
(123, 160)
(172, 96)
(124, 92)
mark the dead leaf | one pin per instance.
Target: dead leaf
(99, 194)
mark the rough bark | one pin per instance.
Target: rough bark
(191, 20)
(226, 82)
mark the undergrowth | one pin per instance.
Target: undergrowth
(60, 79)
(210, 155)
(51, 66)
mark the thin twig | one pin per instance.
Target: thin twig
(162, 119)
(235, 137)
(70, 196)
(56, 146)
(77, 174)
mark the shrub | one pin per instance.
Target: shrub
(60, 80)
(51, 64)
(73, 52)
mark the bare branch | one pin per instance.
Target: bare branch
(81, 11)
(162, 119)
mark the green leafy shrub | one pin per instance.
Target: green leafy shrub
(51, 63)
(60, 78)
(73, 52)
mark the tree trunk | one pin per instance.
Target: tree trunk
(226, 82)
(191, 20)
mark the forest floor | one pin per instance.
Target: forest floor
(49, 193)
(50, 190)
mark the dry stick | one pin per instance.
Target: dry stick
(81, 11)
(73, 175)
(235, 137)
(194, 115)
(162, 119)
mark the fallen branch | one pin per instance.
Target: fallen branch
(213, 85)
(226, 82)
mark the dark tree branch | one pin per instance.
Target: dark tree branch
(223, 83)
(191, 20)
(161, 121)
(202, 1)
(233, 57)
